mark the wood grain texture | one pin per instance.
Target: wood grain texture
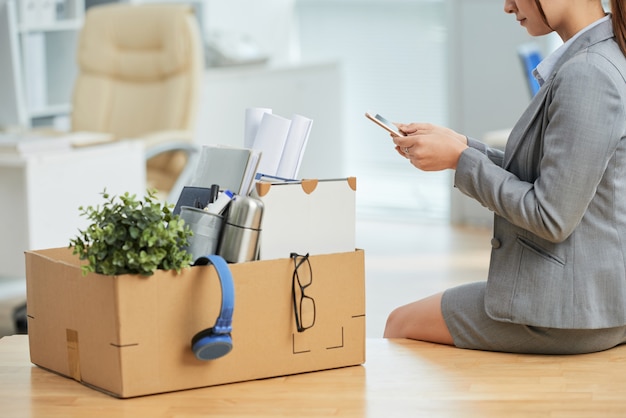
(400, 378)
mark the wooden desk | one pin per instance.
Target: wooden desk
(400, 379)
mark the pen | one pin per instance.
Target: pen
(215, 189)
(223, 199)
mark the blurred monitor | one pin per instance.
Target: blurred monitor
(530, 56)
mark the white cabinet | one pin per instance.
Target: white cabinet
(314, 90)
(38, 53)
(41, 194)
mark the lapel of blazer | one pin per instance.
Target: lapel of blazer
(523, 125)
(518, 135)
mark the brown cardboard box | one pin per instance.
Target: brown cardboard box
(130, 335)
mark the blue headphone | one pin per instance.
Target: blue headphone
(215, 342)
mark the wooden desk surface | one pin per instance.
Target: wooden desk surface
(399, 379)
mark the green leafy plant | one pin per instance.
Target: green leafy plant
(130, 236)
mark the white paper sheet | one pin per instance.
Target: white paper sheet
(270, 141)
(295, 146)
(252, 122)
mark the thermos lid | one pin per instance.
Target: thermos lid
(245, 212)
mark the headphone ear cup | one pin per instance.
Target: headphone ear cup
(209, 346)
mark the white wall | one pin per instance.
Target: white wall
(449, 62)
(487, 88)
(393, 57)
(270, 23)
(314, 91)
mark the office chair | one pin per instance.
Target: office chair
(139, 76)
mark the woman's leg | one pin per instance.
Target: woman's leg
(421, 320)
(463, 308)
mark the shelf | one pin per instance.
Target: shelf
(39, 59)
(46, 15)
(61, 25)
(50, 110)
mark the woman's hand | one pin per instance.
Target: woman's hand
(430, 147)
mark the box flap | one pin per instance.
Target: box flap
(310, 216)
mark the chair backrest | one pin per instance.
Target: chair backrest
(140, 68)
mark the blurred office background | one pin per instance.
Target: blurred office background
(411, 60)
(435, 61)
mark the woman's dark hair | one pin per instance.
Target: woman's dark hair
(543, 15)
(618, 11)
(619, 23)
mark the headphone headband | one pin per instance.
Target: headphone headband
(223, 324)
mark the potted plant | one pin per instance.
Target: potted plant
(131, 236)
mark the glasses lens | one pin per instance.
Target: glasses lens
(307, 312)
(304, 305)
(303, 271)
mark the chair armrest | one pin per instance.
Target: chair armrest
(155, 138)
(157, 143)
(155, 150)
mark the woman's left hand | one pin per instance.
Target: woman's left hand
(430, 147)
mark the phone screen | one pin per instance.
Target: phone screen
(384, 123)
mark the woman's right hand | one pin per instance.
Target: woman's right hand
(430, 147)
(428, 128)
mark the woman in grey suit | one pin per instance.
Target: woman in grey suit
(557, 276)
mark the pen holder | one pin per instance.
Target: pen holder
(206, 227)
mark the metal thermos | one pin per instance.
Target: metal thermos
(242, 226)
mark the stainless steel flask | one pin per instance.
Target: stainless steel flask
(242, 227)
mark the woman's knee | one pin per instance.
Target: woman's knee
(393, 326)
(420, 320)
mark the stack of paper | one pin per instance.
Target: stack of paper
(280, 141)
(294, 147)
(254, 115)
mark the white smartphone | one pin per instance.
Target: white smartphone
(384, 123)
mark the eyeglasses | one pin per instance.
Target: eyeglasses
(303, 305)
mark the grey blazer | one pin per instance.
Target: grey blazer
(558, 193)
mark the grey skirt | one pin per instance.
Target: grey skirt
(463, 309)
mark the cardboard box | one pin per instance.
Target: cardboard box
(130, 335)
(314, 216)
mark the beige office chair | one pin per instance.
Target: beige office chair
(139, 77)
